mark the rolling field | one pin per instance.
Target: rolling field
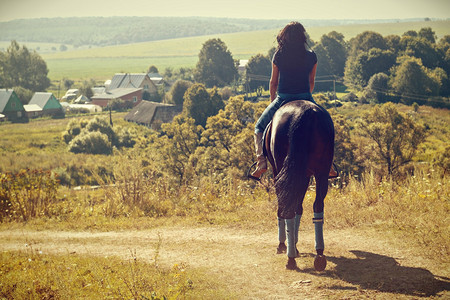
(102, 62)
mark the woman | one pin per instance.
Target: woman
(293, 75)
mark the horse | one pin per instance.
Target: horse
(299, 143)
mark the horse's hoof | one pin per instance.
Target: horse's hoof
(320, 263)
(291, 264)
(281, 248)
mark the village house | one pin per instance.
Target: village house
(32, 110)
(10, 106)
(133, 95)
(49, 104)
(132, 80)
(152, 114)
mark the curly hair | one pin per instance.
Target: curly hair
(293, 35)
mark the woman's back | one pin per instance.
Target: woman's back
(294, 66)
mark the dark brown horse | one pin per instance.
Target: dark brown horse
(300, 144)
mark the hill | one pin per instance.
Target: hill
(102, 62)
(104, 31)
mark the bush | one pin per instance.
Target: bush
(27, 194)
(91, 142)
(73, 129)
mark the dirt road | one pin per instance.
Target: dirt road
(361, 264)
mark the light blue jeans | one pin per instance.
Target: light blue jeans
(271, 109)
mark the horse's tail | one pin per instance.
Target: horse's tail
(288, 182)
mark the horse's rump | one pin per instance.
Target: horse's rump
(301, 145)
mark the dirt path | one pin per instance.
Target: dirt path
(360, 263)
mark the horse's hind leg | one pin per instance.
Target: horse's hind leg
(293, 225)
(321, 192)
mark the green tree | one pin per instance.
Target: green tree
(411, 78)
(178, 90)
(331, 53)
(20, 67)
(359, 69)
(224, 134)
(215, 66)
(86, 89)
(68, 83)
(344, 148)
(257, 72)
(365, 41)
(179, 141)
(199, 104)
(23, 94)
(395, 136)
(423, 49)
(152, 69)
(377, 88)
(428, 34)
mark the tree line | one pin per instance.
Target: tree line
(414, 67)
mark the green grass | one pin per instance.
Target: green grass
(101, 63)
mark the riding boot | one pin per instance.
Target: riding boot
(333, 173)
(261, 165)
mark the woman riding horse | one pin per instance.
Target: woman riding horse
(293, 76)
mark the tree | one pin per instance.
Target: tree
(394, 135)
(377, 88)
(359, 69)
(23, 94)
(411, 78)
(178, 90)
(428, 34)
(86, 89)
(225, 136)
(199, 104)
(365, 41)
(423, 49)
(344, 148)
(152, 69)
(20, 67)
(331, 53)
(68, 83)
(179, 141)
(215, 66)
(257, 72)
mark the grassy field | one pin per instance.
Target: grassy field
(101, 63)
(386, 221)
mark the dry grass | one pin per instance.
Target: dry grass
(36, 275)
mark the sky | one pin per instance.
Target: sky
(253, 9)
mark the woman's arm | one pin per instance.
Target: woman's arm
(312, 78)
(274, 82)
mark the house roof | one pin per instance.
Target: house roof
(32, 107)
(127, 80)
(4, 98)
(40, 99)
(144, 112)
(116, 93)
(82, 98)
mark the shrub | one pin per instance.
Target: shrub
(91, 142)
(27, 194)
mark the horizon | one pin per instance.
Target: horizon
(234, 9)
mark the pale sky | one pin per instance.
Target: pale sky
(255, 9)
